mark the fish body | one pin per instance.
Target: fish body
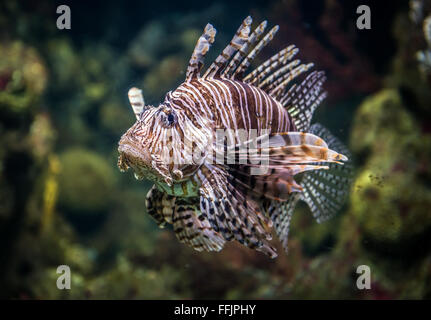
(223, 148)
(232, 104)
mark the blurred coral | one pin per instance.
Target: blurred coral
(23, 76)
(85, 179)
(391, 197)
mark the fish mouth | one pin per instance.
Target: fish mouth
(123, 163)
(143, 163)
(134, 158)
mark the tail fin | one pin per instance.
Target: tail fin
(324, 191)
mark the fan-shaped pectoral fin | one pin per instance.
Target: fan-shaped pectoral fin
(160, 206)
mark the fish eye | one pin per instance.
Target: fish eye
(171, 118)
(168, 118)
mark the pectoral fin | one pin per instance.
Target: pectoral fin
(326, 191)
(160, 206)
(231, 213)
(192, 228)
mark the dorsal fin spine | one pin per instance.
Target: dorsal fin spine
(272, 76)
(278, 59)
(275, 78)
(230, 72)
(287, 78)
(240, 37)
(301, 100)
(250, 57)
(202, 46)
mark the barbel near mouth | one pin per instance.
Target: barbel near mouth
(123, 163)
(132, 158)
(127, 154)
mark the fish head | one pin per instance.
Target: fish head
(159, 146)
(144, 147)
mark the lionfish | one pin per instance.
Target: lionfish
(211, 202)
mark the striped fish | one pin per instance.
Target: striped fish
(207, 187)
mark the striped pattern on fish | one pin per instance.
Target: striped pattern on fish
(176, 146)
(231, 104)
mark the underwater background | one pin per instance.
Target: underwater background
(64, 106)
